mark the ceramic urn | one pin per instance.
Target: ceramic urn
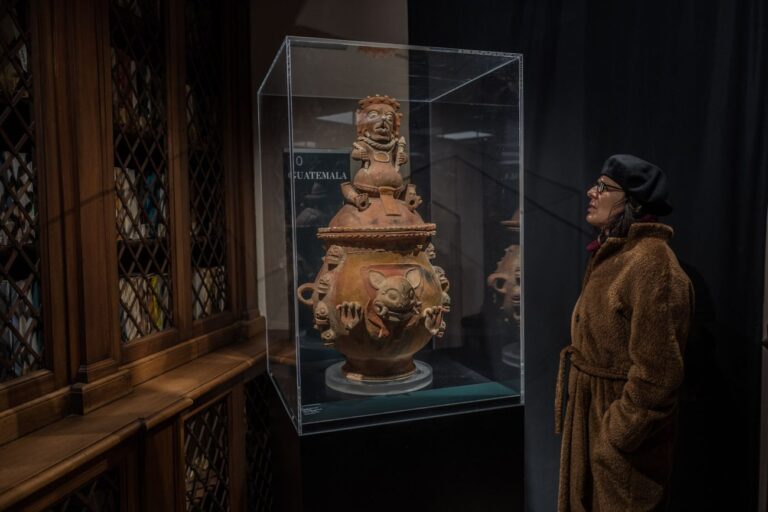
(377, 298)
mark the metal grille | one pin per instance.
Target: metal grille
(257, 441)
(137, 39)
(206, 170)
(102, 494)
(206, 448)
(21, 343)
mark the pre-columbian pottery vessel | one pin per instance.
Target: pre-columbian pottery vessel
(377, 298)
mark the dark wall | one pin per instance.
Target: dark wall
(681, 84)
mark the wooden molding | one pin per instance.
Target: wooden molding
(147, 345)
(75, 460)
(124, 459)
(211, 323)
(161, 362)
(251, 314)
(153, 420)
(33, 415)
(94, 197)
(46, 501)
(24, 389)
(83, 398)
(178, 170)
(243, 89)
(254, 327)
(38, 460)
(89, 397)
(96, 371)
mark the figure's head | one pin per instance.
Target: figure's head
(378, 118)
(628, 189)
(506, 282)
(321, 310)
(430, 251)
(395, 295)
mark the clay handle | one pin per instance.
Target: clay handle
(300, 293)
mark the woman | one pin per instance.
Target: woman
(618, 380)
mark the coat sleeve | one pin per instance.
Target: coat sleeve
(661, 302)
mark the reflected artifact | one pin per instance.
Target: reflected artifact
(377, 298)
(505, 281)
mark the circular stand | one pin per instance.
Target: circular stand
(335, 379)
(510, 354)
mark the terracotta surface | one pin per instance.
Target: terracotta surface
(377, 298)
(506, 279)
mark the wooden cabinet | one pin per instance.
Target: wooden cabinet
(131, 343)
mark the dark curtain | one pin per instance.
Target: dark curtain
(682, 84)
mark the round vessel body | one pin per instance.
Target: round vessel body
(377, 348)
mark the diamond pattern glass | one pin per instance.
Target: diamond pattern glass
(102, 494)
(139, 106)
(206, 170)
(257, 445)
(206, 449)
(21, 345)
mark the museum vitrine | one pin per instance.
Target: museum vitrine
(390, 187)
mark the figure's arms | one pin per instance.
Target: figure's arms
(350, 314)
(352, 196)
(402, 156)
(359, 152)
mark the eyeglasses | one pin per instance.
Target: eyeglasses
(602, 187)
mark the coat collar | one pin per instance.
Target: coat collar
(637, 231)
(650, 229)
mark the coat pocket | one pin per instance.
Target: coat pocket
(611, 474)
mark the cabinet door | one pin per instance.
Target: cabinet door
(24, 351)
(139, 71)
(206, 444)
(204, 81)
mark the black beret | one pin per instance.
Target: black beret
(642, 180)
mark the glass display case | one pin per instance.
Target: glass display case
(390, 186)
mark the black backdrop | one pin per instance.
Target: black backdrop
(682, 84)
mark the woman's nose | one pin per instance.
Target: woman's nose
(592, 192)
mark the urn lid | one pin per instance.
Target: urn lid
(379, 222)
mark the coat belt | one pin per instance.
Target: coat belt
(570, 355)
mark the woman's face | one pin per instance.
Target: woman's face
(605, 205)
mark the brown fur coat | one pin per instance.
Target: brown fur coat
(622, 371)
